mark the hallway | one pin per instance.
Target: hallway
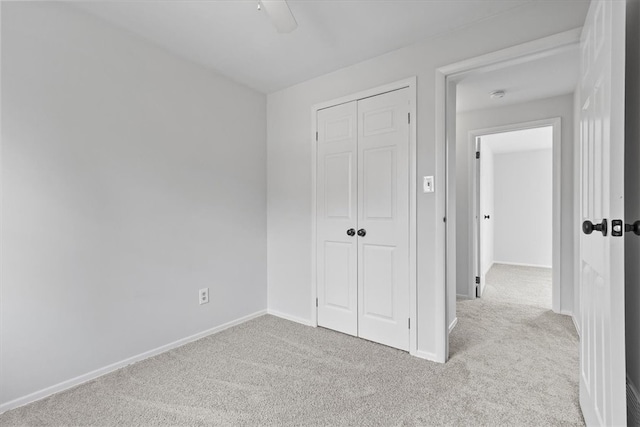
(515, 349)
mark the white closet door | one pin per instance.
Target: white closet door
(383, 213)
(336, 214)
(602, 340)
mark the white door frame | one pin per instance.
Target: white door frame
(401, 84)
(556, 230)
(447, 78)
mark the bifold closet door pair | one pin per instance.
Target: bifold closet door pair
(362, 219)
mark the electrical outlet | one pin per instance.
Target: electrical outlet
(204, 295)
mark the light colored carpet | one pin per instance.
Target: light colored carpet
(519, 285)
(511, 365)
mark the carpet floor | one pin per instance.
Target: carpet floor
(519, 285)
(511, 364)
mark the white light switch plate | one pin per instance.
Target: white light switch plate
(427, 184)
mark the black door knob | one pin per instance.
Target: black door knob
(351, 232)
(588, 227)
(362, 232)
(633, 228)
(487, 217)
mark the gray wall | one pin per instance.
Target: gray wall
(560, 106)
(632, 195)
(289, 204)
(130, 179)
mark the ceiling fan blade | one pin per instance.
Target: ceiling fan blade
(280, 15)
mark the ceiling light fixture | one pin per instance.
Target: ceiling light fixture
(497, 94)
(279, 14)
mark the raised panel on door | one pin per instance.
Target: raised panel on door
(383, 212)
(602, 346)
(336, 212)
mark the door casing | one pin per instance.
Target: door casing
(556, 124)
(409, 83)
(447, 78)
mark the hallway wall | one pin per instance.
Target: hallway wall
(523, 208)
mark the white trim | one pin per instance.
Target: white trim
(290, 318)
(567, 313)
(576, 325)
(446, 78)
(518, 54)
(453, 324)
(410, 83)
(425, 355)
(556, 232)
(484, 273)
(444, 94)
(64, 385)
(522, 264)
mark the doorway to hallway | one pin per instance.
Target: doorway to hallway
(513, 215)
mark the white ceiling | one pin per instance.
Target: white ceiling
(235, 39)
(519, 140)
(541, 78)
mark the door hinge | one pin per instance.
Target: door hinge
(477, 154)
(409, 118)
(477, 280)
(316, 302)
(316, 136)
(478, 291)
(444, 219)
(409, 323)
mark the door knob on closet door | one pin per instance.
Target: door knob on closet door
(588, 227)
(362, 232)
(351, 232)
(487, 216)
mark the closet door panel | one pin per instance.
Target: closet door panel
(383, 214)
(336, 262)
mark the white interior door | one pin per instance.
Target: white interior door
(602, 347)
(477, 230)
(336, 214)
(383, 214)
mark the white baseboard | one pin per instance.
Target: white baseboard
(488, 268)
(521, 264)
(41, 394)
(426, 355)
(481, 288)
(289, 317)
(575, 324)
(453, 324)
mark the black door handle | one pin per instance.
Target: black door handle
(362, 232)
(487, 217)
(633, 228)
(351, 232)
(588, 227)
